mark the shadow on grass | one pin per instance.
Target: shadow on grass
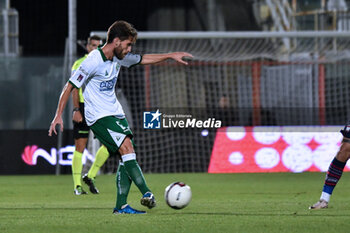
(311, 213)
(324, 214)
(55, 208)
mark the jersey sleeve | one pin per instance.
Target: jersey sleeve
(131, 60)
(86, 69)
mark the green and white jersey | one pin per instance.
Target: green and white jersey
(74, 68)
(98, 76)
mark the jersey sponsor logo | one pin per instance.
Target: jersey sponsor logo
(107, 85)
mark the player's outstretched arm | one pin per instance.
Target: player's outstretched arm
(57, 120)
(155, 58)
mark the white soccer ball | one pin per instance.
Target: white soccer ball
(178, 195)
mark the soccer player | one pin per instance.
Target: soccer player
(335, 170)
(81, 133)
(98, 75)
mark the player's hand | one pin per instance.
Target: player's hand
(56, 121)
(77, 117)
(179, 56)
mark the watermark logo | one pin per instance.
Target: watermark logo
(157, 120)
(151, 120)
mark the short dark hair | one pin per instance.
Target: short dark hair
(93, 37)
(122, 30)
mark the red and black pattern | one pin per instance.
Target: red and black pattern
(334, 173)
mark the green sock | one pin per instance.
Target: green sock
(134, 171)
(123, 183)
(77, 167)
(100, 158)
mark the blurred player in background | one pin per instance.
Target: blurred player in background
(98, 75)
(335, 170)
(81, 133)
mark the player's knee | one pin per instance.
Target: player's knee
(344, 150)
(79, 149)
(80, 145)
(345, 146)
(126, 147)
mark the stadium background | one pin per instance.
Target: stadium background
(31, 81)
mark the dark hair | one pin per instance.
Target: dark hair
(94, 37)
(122, 30)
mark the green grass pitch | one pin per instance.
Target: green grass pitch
(275, 202)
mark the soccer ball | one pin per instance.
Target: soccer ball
(178, 195)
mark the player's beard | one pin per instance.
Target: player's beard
(118, 52)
